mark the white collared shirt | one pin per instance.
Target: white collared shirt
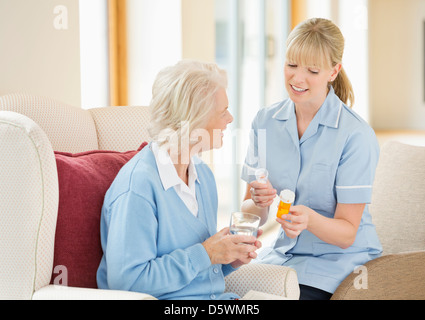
(169, 178)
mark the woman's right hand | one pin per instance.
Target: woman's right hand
(262, 194)
(225, 248)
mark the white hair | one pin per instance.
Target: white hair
(183, 97)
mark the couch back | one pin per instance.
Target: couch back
(398, 198)
(72, 129)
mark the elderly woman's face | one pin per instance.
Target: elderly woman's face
(219, 119)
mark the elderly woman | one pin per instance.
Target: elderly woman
(159, 218)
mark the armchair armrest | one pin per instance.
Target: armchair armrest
(267, 278)
(55, 292)
(399, 276)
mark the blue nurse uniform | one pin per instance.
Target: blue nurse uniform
(333, 162)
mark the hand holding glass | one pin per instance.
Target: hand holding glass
(246, 224)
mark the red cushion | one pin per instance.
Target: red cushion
(84, 179)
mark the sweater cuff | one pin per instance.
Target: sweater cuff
(199, 257)
(228, 269)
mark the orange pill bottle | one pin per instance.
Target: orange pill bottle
(287, 198)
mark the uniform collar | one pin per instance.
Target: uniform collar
(285, 111)
(328, 114)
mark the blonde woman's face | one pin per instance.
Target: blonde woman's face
(308, 85)
(219, 119)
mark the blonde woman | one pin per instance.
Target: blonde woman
(159, 218)
(318, 147)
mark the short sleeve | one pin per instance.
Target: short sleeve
(251, 162)
(356, 170)
(256, 154)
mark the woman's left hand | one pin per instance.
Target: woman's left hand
(295, 221)
(252, 255)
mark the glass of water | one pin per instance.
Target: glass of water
(246, 224)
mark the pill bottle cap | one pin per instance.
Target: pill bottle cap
(261, 175)
(287, 196)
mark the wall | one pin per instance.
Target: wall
(39, 48)
(198, 30)
(40, 51)
(396, 64)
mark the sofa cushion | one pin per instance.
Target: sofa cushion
(84, 179)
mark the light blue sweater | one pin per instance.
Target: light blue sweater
(152, 243)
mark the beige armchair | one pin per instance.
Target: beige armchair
(32, 215)
(398, 211)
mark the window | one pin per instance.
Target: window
(249, 44)
(94, 53)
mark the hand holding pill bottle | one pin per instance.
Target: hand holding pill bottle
(261, 175)
(287, 197)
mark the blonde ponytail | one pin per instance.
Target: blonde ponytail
(343, 88)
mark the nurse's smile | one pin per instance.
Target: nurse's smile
(298, 90)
